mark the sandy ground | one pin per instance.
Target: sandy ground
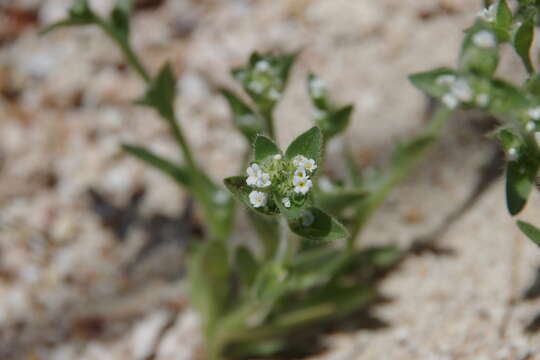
(69, 287)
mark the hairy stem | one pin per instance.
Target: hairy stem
(283, 245)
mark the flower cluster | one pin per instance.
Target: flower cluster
(263, 80)
(288, 179)
(459, 91)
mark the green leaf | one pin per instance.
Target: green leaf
(533, 84)
(427, 81)
(268, 230)
(209, 273)
(246, 266)
(245, 119)
(522, 43)
(506, 99)
(120, 18)
(80, 13)
(530, 230)
(314, 224)
(294, 210)
(339, 199)
(504, 15)
(335, 122)
(178, 173)
(520, 175)
(270, 283)
(508, 138)
(307, 144)
(238, 187)
(161, 92)
(264, 147)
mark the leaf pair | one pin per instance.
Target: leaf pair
(332, 119)
(303, 219)
(80, 13)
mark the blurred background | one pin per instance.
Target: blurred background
(92, 241)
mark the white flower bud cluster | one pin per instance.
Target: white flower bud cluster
(484, 39)
(459, 91)
(264, 81)
(290, 179)
(489, 14)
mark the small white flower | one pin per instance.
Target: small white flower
(254, 172)
(534, 113)
(307, 218)
(299, 160)
(530, 126)
(257, 199)
(274, 94)
(310, 165)
(256, 87)
(262, 66)
(482, 100)
(318, 86)
(537, 137)
(286, 202)
(263, 180)
(446, 79)
(325, 184)
(277, 157)
(489, 14)
(302, 186)
(513, 154)
(257, 177)
(450, 101)
(462, 91)
(300, 174)
(484, 39)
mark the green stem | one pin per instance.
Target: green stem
(283, 245)
(377, 197)
(268, 116)
(124, 45)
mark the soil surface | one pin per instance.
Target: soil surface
(92, 241)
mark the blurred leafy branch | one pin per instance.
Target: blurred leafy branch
(473, 84)
(251, 303)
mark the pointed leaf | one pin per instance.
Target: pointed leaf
(80, 13)
(339, 199)
(209, 273)
(307, 144)
(120, 18)
(314, 224)
(238, 187)
(246, 266)
(429, 82)
(161, 92)
(520, 176)
(264, 147)
(245, 119)
(504, 15)
(179, 173)
(530, 230)
(523, 41)
(334, 122)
